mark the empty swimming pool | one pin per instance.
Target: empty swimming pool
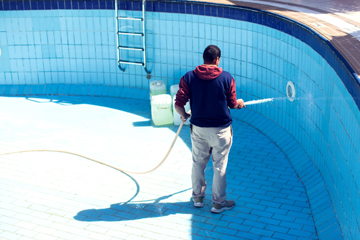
(293, 168)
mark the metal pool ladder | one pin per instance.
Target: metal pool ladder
(139, 34)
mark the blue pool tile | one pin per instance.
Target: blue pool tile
(204, 226)
(277, 228)
(321, 208)
(246, 216)
(270, 204)
(20, 90)
(269, 220)
(337, 234)
(248, 235)
(283, 217)
(225, 236)
(27, 89)
(276, 210)
(85, 90)
(326, 224)
(64, 88)
(298, 214)
(210, 234)
(239, 227)
(308, 222)
(300, 233)
(117, 91)
(53, 88)
(196, 237)
(284, 236)
(254, 224)
(262, 232)
(126, 215)
(99, 90)
(233, 219)
(301, 204)
(217, 222)
(123, 91)
(37, 89)
(227, 231)
(322, 199)
(309, 229)
(47, 89)
(72, 89)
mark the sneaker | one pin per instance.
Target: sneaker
(218, 208)
(198, 202)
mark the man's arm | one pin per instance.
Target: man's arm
(182, 97)
(181, 110)
(231, 98)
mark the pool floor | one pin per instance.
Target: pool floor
(52, 195)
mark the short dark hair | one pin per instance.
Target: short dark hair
(211, 52)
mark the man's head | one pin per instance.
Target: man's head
(212, 55)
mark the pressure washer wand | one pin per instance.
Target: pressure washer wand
(258, 101)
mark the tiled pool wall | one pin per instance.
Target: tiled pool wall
(70, 48)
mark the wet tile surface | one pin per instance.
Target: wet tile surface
(52, 195)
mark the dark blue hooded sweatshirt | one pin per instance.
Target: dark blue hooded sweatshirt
(211, 92)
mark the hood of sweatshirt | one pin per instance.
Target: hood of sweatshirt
(207, 72)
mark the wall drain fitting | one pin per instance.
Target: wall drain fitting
(290, 91)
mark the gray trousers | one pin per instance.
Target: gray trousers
(206, 141)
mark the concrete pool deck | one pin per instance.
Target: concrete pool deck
(59, 196)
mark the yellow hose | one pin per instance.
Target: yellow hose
(121, 170)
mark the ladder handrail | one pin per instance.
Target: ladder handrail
(143, 13)
(130, 33)
(117, 36)
(127, 33)
(130, 18)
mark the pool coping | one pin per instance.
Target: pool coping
(346, 19)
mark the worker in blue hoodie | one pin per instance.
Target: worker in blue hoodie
(211, 92)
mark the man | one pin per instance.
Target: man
(211, 92)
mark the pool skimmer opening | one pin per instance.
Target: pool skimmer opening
(290, 91)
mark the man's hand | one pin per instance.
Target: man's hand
(186, 116)
(240, 104)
